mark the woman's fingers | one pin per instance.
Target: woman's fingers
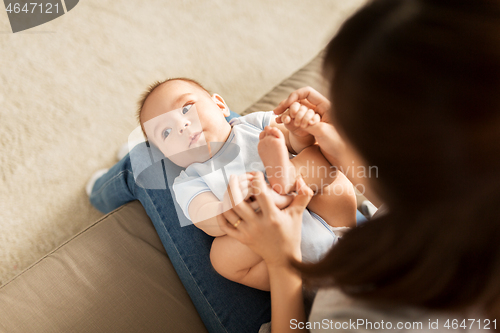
(231, 216)
(245, 211)
(280, 108)
(292, 98)
(244, 184)
(225, 226)
(234, 196)
(308, 104)
(237, 196)
(259, 190)
(301, 200)
(254, 205)
(272, 234)
(317, 101)
(238, 190)
(238, 212)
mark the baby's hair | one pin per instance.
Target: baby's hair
(155, 85)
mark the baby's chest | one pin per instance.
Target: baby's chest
(246, 160)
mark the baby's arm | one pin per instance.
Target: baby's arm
(206, 205)
(206, 208)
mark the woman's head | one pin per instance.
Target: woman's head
(415, 89)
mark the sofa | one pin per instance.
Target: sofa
(115, 275)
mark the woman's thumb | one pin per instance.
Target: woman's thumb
(301, 200)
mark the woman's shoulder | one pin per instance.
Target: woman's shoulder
(333, 310)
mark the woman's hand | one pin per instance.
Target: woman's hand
(307, 97)
(272, 233)
(242, 184)
(332, 145)
(327, 137)
(275, 235)
(297, 118)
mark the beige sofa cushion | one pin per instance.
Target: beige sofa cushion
(112, 277)
(115, 276)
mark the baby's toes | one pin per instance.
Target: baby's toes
(316, 119)
(315, 127)
(267, 130)
(286, 119)
(276, 132)
(307, 118)
(262, 134)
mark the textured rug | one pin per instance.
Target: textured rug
(68, 92)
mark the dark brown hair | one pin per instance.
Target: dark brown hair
(152, 87)
(416, 90)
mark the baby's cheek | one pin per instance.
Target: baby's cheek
(167, 150)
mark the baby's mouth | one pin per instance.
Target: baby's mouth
(194, 138)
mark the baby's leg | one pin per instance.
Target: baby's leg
(282, 172)
(334, 199)
(336, 203)
(273, 152)
(236, 262)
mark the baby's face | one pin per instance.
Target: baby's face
(182, 120)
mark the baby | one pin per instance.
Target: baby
(188, 126)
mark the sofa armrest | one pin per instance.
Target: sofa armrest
(309, 75)
(114, 276)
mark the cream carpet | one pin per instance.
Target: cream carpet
(68, 92)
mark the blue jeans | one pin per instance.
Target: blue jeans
(223, 305)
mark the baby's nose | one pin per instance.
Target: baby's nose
(184, 126)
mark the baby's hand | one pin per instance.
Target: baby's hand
(298, 118)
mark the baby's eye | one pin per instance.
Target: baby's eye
(186, 108)
(165, 133)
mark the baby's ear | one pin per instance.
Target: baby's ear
(221, 104)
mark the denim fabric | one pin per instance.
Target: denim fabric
(223, 305)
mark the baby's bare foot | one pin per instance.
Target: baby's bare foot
(280, 200)
(274, 154)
